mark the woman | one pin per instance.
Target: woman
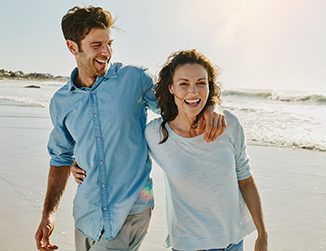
(209, 186)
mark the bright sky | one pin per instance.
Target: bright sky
(270, 44)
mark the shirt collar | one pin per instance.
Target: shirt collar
(111, 73)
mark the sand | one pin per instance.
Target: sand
(292, 183)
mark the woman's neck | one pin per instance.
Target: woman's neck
(182, 125)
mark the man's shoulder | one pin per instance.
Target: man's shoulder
(122, 69)
(119, 66)
(62, 96)
(62, 91)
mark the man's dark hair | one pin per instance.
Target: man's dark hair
(78, 22)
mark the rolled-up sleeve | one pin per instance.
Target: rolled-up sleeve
(61, 143)
(243, 167)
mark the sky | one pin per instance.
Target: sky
(261, 44)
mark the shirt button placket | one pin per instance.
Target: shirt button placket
(99, 146)
(101, 163)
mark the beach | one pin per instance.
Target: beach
(291, 183)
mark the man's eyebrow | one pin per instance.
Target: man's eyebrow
(100, 42)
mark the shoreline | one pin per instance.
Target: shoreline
(34, 79)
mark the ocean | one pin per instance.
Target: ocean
(282, 118)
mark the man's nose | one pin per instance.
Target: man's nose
(107, 50)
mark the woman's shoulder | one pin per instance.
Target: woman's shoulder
(152, 131)
(232, 120)
(153, 125)
(231, 117)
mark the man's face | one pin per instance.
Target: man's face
(95, 53)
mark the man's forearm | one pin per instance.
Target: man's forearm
(57, 182)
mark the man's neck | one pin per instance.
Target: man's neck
(84, 81)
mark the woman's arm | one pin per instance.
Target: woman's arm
(251, 196)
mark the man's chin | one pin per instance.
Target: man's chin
(102, 73)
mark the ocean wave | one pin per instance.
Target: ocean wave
(52, 83)
(311, 98)
(248, 94)
(311, 146)
(317, 98)
(26, 100)
(282, 96)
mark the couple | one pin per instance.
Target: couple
(99, 120)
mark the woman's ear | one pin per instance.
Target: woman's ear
(170, 89)
(72, 46)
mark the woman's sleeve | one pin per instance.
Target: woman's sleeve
(243, 167)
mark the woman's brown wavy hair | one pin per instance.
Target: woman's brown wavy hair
(169, 109)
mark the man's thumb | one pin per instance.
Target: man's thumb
(45, 240)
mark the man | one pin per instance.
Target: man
(99, 118)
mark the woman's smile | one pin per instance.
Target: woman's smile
(190, 89)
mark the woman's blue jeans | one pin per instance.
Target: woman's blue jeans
(231, 247)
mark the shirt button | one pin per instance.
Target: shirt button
(98, 138)
(95, 115)
(105, 209)
(103, 185)
(101, 162)
(92, 92)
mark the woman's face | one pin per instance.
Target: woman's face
(190, 89)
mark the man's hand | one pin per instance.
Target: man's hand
(78, 173)
(57, 182)
(213, 122)
(43, 234)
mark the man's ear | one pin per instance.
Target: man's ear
(73, 47)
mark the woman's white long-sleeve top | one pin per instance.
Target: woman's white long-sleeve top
(205, 208)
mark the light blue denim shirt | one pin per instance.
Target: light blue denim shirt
(102, 128)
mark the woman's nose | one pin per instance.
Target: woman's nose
(193, 89)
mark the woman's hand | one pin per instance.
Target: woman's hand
(261, 243)
(78, 173)
(251, 196)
